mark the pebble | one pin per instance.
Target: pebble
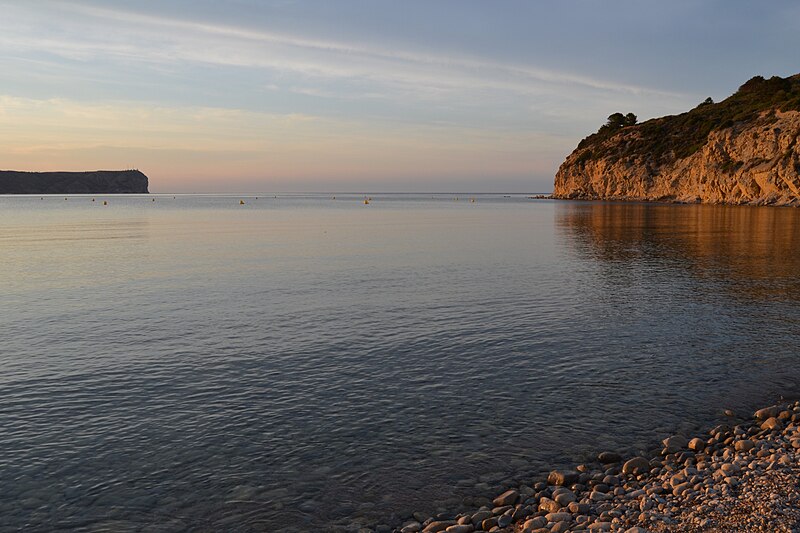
(565, 498)
(435, 527)
(509, 497)
(697, 444)
(609, 457)
(635, 465)
(742, 478)
(562, 478)
(675, 444)
(535, 523)
(767, 412)
(559, 517)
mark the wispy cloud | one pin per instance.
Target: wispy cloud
(131, 36)
(169, 92)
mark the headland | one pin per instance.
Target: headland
(97, 182)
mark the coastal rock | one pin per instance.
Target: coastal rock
(635, 465)
(535, 523)
(609, 457)
(562, 478)
(549, 506)
(560, 527)
(509, 497)
(559, 517)
(459, 528)
(479, 517)
(742, 150)
(579, 508)
(503, 521)
(564, 498)
(489, 523)
(711, 488)
(439, 525)
(675, 444)
(766, 412)
(697, 444)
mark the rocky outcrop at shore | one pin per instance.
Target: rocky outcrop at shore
(98, 182)
(737, 477)
(742, 150)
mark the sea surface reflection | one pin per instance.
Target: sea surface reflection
(299, 363)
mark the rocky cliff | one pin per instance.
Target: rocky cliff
(743, 150)
(99, 182)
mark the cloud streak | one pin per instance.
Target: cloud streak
(277, 89)
(127, 33)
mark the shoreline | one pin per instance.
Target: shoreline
(738, 477)
(635, 200)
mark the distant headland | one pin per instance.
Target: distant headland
(97, 182)
(742, 150)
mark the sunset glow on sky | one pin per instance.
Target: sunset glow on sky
(240, 95)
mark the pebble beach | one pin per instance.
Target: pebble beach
(737, 477)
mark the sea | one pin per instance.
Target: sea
(312, 362)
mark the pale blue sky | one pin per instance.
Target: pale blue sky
(245, 95)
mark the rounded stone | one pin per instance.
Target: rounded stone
(562, 478)
(697, 444)
(509, 497)
(609, 457)
(636, 465)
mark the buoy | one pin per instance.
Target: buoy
(256, 197)
(241, 202)
(93, 199)
(64, 198)
(334, 198)
(154, 199)
(105, 203)
(472, 200)
(366, 201)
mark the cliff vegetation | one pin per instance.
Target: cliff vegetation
(740, 150)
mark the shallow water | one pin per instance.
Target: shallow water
(301, 363)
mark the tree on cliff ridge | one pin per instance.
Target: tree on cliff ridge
(618, 120)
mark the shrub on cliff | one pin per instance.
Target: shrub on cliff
(679, 136)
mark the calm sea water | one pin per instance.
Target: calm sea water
(300, 363)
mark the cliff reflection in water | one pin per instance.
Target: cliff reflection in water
(750, 251)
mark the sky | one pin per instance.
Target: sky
(360, 95)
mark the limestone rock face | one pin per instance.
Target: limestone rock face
(98, 182)
(755, 162)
